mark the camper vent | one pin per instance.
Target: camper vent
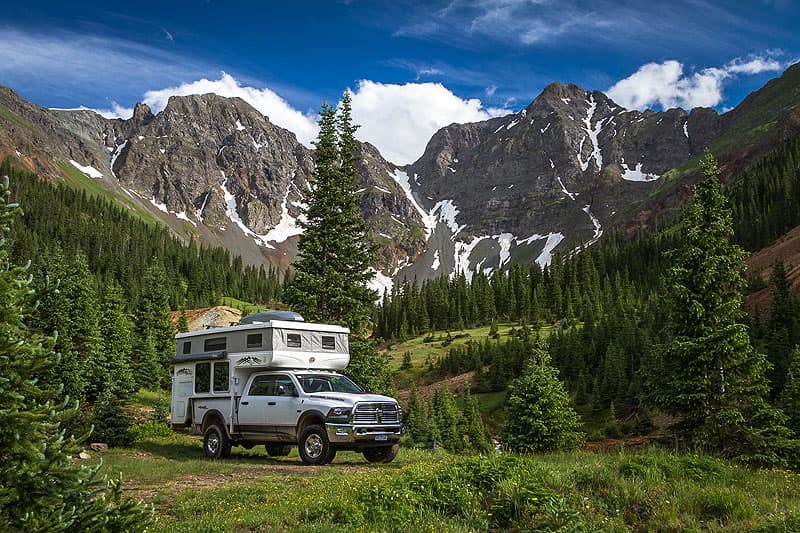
(266, 316)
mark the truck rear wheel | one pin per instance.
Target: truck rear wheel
(383, 454)
(275, 449)
(314, 447)
(216, 443)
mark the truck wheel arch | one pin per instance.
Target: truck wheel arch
(310, 417)
(213, 417)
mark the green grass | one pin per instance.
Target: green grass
(10, 116)
(422, 351)
(149, 398)
(245, 307)
(652, 490)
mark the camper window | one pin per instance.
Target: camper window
(328, 343)
(254, 340)
(221, 377)
(293, 340)
(216, 344)
(187, 347)
(202, 377)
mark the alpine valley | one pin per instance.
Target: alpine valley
(552, 178)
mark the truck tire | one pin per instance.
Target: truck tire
(382, 454)
(314, 447)
(216, 443)
(276, 449)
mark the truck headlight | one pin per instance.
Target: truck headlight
(339, 414)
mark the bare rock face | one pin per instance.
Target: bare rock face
(210, 167)
(551, 178)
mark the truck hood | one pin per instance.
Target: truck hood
(351, 399)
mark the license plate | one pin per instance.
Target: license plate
(381, 437)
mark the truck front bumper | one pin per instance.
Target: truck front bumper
(350, 434)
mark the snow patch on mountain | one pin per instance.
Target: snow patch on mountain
(230, 208)
(636, 174)
(115, 155)
(462, 252)
(546, 255)
(436, 264)
(380, 283)
(287, 226)
(427, 218)
(598, 229)
(447, 212)
(504, 240)
(565, 191)
(592, 132)
(88, 170)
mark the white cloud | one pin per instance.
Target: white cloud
(400, 119)
(666, 85)
(490, 90)
(266, 101)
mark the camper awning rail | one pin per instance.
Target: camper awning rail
(208, 356)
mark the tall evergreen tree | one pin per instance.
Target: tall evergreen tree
(476, 436)
(41, 489)
(116, 344)
(334, 252)
(710, 374)
(154, 331)
(783, 326)
(790, 397)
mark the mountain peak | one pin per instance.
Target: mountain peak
(142, 114)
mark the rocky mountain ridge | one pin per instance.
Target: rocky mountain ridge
(548, 179)
(210, 167)
(557, 174)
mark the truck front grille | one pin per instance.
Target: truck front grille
(376, 413)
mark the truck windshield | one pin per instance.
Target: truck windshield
(323, 383)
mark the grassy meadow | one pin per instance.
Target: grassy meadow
(650, 490)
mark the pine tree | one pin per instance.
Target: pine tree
(782, 326)
(41, 489)
(116, 343)
(413, 419)
(334, 253)
(476, 435)
(154, 330)
(539, 415)
(790, 397)
(710, 374)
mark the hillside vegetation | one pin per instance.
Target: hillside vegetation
(651, 490)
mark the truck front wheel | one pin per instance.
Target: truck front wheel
(384, 454)
(314, 447)
(216, 443)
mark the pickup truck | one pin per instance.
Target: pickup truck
(274, 383)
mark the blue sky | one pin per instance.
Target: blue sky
(414, 65)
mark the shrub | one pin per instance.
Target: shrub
(150, 430)
(111, 424)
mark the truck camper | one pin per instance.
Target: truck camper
(272, 379)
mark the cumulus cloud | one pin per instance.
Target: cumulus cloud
(666, 85)
(400, 119)
(266, 101)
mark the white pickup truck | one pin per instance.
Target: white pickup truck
(271, 380)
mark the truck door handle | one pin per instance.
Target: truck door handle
(270, 403)
(244, 403)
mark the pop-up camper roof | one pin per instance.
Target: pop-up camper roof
(262, 340)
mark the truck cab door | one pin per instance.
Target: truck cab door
(268, 408)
